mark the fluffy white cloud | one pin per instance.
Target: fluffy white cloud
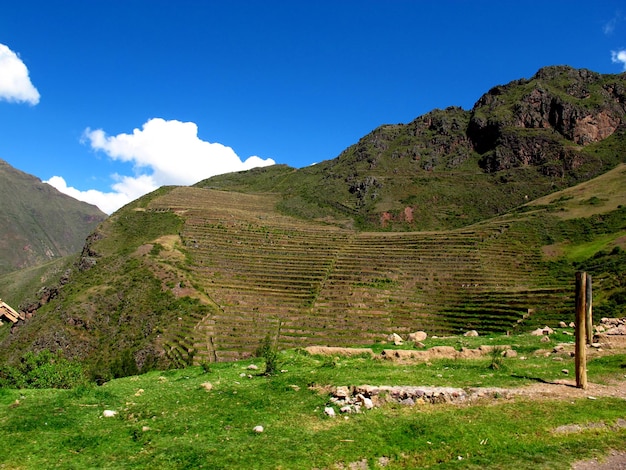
(15, 84)
(619, 57)
(162, 153)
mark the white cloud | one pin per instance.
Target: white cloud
(619, 57)
(162, 153)
(15, 85)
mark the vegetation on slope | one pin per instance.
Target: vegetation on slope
(188, 275)
(451, 168)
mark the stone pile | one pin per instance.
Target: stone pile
(611, 333)
(354, 399)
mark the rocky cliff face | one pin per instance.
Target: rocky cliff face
(570, 106)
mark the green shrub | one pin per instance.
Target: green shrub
(42, 370)
(268, 351)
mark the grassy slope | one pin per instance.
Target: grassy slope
(210, 277)
(168, 420)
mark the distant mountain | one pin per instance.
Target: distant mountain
(459, 220)
(37, 222)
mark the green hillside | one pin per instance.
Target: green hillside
(437, 225)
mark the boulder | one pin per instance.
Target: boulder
(417, 336)
(395, 339)
(471, 333)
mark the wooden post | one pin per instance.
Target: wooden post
(588, 309)
(581, 346)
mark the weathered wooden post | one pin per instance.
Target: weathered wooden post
(588, 310)
(581, 331)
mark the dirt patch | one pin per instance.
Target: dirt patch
(616, 460)
(336, 351)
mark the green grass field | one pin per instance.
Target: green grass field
(169, 420)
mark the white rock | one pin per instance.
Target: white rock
(109, 413)
(417, 336)
(330, 411)
(253, 367)
(471, 333)
(395, 338)
(258, 429)
(207, 386)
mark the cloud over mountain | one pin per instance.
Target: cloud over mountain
(162, 153)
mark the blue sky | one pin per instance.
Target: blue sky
(109, 99)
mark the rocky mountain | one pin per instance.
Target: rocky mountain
(453, 167)
(37, 222)
(432, 225)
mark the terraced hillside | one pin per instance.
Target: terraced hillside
(313, 283)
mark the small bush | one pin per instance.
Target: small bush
(42, 370)
(268, 351)
(497, 359)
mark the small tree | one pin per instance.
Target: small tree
(268, 351)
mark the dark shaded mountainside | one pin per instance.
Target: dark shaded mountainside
(37, 222)
(431, 225)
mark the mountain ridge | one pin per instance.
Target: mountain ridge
(37, 222)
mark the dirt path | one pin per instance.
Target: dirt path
(566, 390)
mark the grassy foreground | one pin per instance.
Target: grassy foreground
(168, 419)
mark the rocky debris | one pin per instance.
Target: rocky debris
(329, 411)
(436, 352)
(258, 429)
(611, 333)
(417, 337)
(208, 386)
(368, 396)
(395, 338)
(109, 413)
(252, 367)
(471, 333)
(546, 330)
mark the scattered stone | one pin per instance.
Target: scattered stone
(417, 336)
(562, 324)
(596, 345)
(109, 413)
(558, 348)
(419, 344)
(509, 353)
(252, 367)
(572, 324)
(330, 411)
(567, 333)
(258, 429)
(471, 333)
(557, 359)
(139, 392)
(208, 386)
(565, 371)
(342, 392)
(145, 428)
(395, 338)
(296, 388)
(545, 339)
